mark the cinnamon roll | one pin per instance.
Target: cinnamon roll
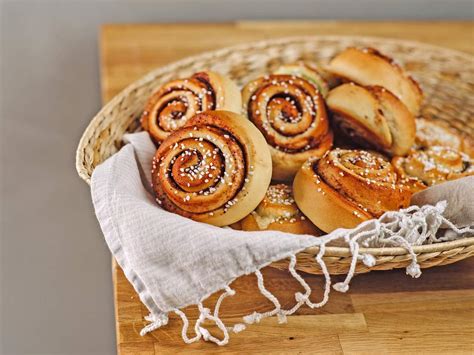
(431, 133)
(177, 101)
(291, 114)
(215, 169)
(367, 66)
(309, 72)
(373, 117)
(278, 211)
(347, 187)
(423, 168)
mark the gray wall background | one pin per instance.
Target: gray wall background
(56, 290)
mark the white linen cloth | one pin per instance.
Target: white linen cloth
(173, 262)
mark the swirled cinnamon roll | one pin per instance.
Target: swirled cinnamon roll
(431, 133)
(278, 211)
(177, 101)
(215, 169)
(372, 116)
(291, 114)
(367, 66)
(423, 168)
(347, 187)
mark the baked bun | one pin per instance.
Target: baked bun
(373, 117)
(291, 114)
(215, 169)
(423, 168)
(278, 211)
(177, 101)
(367, 66)
(309, 72)
(347, 187)
(431, 133)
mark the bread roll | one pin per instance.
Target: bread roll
(215, 169)
(278, 211)
(347, 187)
(431, 133)
(177, 101)
(291, 114)
(373, 117)
(423, 168)
(367, 66)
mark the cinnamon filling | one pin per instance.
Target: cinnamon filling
(357, 132)
(202, 170)
(204, 79)
(289, 111)
(362, 178)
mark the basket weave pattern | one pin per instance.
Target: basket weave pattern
(447, 78)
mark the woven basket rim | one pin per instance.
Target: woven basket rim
(330, 251)
(393, 251)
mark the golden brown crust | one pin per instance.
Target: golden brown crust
(291, 114)
(346, 187)
(372, 116)
(400, 121)
(367, 66)
(215, 169)
(278, 211)
(431, 133)
(468, 146)
(307, 71)
(305, 226)
(356, 114)
(236, 226)
(177, 101)
(422, 168)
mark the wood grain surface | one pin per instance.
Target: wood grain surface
(384, 312)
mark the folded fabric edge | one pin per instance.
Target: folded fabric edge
(381, 227)
(106, 222)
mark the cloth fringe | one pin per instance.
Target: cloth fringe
(405, 228)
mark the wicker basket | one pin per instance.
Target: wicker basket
(447, 78)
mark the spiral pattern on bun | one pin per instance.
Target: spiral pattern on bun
(346, 187)
(215, 169)
(291, 114)
(431, 133)
(177, 101)
(423, 168)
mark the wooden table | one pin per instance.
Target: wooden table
(384, 311)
